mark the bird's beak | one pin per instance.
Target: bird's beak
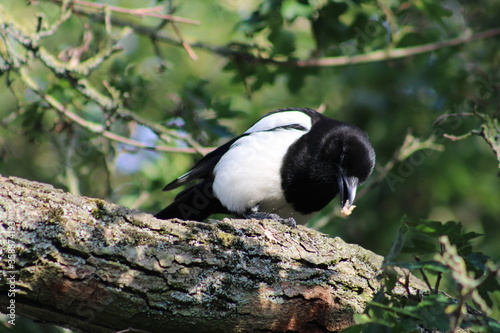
(347, 189)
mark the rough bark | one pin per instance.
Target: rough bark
(98, 267)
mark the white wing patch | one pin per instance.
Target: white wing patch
(249, 172)
(280, 119)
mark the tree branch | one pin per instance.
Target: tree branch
(94, 266)
(489, 130)
(140, 12)
(227, 51)
(389, 54)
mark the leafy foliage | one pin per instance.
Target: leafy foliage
(442, 254)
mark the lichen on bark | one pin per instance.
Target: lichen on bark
(98, 267)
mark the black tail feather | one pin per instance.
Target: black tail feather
(194, 203)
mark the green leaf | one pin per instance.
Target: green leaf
(429, 227)
(489, 286)
(327, 28)
(432, 309)
(296, 79)
(267, 15)
(430, 265)
(365, 319)
(421, 245)
(477, 261)
(32, 123)
(400, 311)
(291, 9)
(283, 42)
(433, 10)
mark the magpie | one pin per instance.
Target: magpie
(288, 165)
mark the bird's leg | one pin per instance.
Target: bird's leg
(254, 214)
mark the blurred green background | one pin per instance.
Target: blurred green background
(208, 92)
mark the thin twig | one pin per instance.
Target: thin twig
(459, 137)
(489, 130)
(407, 284)
(439, 274)
(441, 119)
(424, 276)
(184, 44)
(426, 279)
(141, 12)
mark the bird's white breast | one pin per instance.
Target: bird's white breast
(249, 173)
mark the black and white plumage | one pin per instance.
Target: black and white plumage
(287, 166)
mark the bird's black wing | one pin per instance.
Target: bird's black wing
(194, 203)
(204, 167)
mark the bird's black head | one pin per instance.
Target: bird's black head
(332, 158)
(354, 159)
